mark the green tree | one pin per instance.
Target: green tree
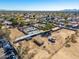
(48, 26)
(14, 21)
(22, 23)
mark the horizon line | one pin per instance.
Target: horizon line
(36, 10)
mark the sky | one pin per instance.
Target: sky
(39, 5)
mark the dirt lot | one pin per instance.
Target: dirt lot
(48, 50)
(68, 53)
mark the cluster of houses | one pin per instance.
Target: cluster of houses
(6, 23)
(69, 22)
(38, 20)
